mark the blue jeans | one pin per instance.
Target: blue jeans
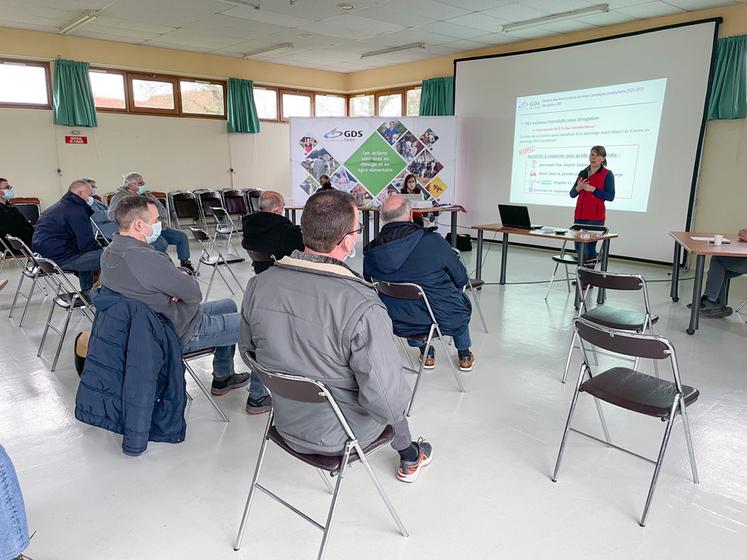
(219, 327)
(462, 340)
(721, 269)
(14, 532)
(170, 236)
(589, 250)
(85, 264)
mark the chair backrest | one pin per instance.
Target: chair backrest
(30, 207)
(624, 342)
(260, 256)
(185, 205)
(610, 280)
(221, 215)
(406, 291)
(235, 202)
(17, 245)
(209, 199)
(200, 235)
(99, 235)
(252, 200)
(57, 277)
(108, 197)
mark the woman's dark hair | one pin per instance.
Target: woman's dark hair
(322, 177)
(600, 152)
(404, 190)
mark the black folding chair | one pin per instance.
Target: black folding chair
(185, 207)
(632, 390)
(307, 391)
(30, 207)
(252, 200)
(208, 199)
(234, 201)
(29, 269)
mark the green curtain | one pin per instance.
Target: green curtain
(728, 99)
(437, 97)
(242, 113)
(73, 99)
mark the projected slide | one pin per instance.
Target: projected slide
(554, 132)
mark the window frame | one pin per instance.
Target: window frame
(402, 101)
(305, 93)
(174, 80)
(221, 83)
(277, 102)
(362, 94)
(329, 94)
(47, 76)
(122, 73)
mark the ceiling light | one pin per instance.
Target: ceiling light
(393, 50)
(272, 49)
(561, 16)
(247, 3)
(345, 6)
(88, 17)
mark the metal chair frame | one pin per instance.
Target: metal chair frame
(29, 269)
(67, 297)
(10, 255)
(590, 275)
(235, 199)
(225, 227)
(208, 259)
(178, 196)
(469, 288)
(314, 392)
(252, 200)
(560, 259)
(410, 291)
(99, 235)
(197, 354)
(638, 345)
(206, 200)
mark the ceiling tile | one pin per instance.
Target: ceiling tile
(163, 11)
(693, 5)
(350, 26)
(609, 18)
(129, 25)
(515, 12)
(556, 6)
(568, 26)
(114, 33)
(650, 10)
(264, 16)
(476, 5)
(442, 28)
(479, 21)
(407, 15)
(494, 39)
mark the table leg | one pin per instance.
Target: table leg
(366, 232)
(697, 289)
(293, 217)
(579, 288)
(602, 295)
(454, 227)
(504, 257)
(287, 213)
(377, 223)
(478, 268)
(674, 288)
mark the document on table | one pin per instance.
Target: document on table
(709, 239)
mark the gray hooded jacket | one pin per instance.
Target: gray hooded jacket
(313, 316)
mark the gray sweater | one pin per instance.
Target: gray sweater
(123, 192)
(136, 270)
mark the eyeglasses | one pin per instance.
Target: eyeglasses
(360, 229)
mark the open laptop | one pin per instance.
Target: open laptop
(515, 216)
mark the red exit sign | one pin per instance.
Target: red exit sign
(76, 139)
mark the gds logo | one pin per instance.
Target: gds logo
(334, 133)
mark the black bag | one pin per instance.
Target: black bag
(464, 241)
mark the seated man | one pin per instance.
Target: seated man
(406, 252)
(270, 231)
(135, 185)
(131, 267)
(64, 234)
(713, 302)
(12, 222)
(339, 333)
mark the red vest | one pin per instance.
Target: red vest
(589, 206)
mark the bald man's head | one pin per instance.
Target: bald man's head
(271, 201)
(396, 208)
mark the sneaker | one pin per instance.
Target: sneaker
(223, 386)
(409, 470)
(466, 361)
(715, 311)
(259, 405)
(187, 264)
(430, 359)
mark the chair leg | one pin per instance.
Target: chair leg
(407, 353)
(28, 300)
(380, 489)
(689, 440)
(327, 483)
(333, 505)
(46, 330)
(210, 284)
(568, 360)
(567, 279)
(659, 461)
(420, 370)
(215, 268)
(552, 279)
(563, 441)
(252, 488)
(451, 362)
(205, 391)
(62, 337)
(602, 420)
(741, 305)
(477, 305)
(15, 298)
(232, 273)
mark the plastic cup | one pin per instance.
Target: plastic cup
(718, 239)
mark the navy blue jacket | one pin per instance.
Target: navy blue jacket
(133, 380)
(406, 252)
(64, 230)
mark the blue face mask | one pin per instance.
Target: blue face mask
(156, 233)
(89, 201)
(141, 190)
(9, 193)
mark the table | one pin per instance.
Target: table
(700, 250)
(569, 235)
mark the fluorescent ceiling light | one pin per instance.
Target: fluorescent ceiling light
(393, 50)
(88, 17)
(256, 5)
(274, 48)
(562, 16)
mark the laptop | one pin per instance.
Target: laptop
(515, 216)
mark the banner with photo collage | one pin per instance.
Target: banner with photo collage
(370, 157)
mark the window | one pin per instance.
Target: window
(329, 105)
(266, 101)
(389, 105)
(202, 98)
(362, 106)
(24, 84)
(108, 89)
(413, 102)
(151, 94)
(296, 105)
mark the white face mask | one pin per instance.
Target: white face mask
(350, 255)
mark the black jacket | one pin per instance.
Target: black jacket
(12, 222)
(270, 233)
(64, 230)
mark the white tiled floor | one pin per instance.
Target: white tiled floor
(487, 493)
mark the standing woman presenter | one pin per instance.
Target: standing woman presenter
(595, 186)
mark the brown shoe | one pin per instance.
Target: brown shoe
(466, 362)
(430, 359)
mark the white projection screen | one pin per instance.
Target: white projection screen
(527, 121)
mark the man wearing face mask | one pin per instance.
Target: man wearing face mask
(133, 268)
(12, 222)
(63, 234)
(134, 184)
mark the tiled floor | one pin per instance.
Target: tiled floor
(487, 494)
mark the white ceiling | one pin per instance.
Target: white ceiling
(324, 36)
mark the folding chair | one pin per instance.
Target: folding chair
(235, 202)
(606, 315)
(225, 227)
(409, 291)
(29, 269)
(10, 255)
(208, 259)
(469, 288)
(197, 354)
(207, 200)
(306, 391)
(163, 198)
(632, 390)
(185, 207)
(30, 207)
(67, 297)
(569, 260)
(99, 235)
(252, 199)
(260, 257)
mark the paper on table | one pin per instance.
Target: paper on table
(724, 240)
